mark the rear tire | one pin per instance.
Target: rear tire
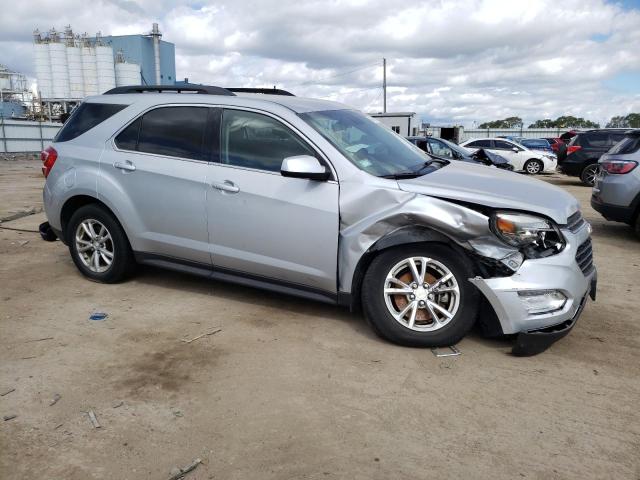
(98, 245)
(456, 300)
(533, 167)
(589, 173)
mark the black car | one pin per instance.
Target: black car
(441, 148)
(584, 150)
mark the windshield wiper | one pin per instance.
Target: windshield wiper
(415, 173)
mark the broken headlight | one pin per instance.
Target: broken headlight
(535, 236)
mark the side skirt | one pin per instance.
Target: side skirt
(240, 278)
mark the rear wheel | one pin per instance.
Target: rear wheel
(419, 296)
(98, 245)
(533, 167)
(589, 174)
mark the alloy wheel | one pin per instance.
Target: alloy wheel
(533, 167)
(590, 173)
(421, 294)
(94, 245)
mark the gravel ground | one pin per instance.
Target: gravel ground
(293, 389)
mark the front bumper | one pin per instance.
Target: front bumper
(559, 272)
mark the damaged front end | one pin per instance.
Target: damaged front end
(529, 269)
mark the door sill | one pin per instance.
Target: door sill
(237, 277)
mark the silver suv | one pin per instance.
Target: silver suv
(616, 193)
(312, 198)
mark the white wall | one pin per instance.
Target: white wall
(405, 124)
(18, 136)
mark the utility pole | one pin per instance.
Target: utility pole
(384, 84)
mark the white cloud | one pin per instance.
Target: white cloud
(453, 61)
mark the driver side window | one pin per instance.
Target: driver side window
(501, 145)
(440, 149)
(252, 140)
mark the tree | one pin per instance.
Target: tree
(546, 123)
(630, 121)
(566, 121)
(509, 122)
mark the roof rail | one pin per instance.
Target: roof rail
(265, 91)
(202, 89)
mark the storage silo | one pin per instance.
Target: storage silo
(104, 66)
(59, 66)
(42, 64)
(74, 62)
(126, 73)
(89, 69)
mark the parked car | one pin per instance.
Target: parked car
(559, 147)
(311, 198)
(585, 149)
(616, 193)
(512, 138)
(539, 144)
(441, 148)
(522, 159)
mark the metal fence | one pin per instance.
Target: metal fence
(512, 132)
(18, 136)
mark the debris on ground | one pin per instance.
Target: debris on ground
(39, 340)
(98, 316)
(177, 472)
(55, 399)
(203, 335)
(93, 419)
(58, 426)
(177, 413)
(23, 243)
(6, 418)
(453, 352)
(7, 392)
(118, 404)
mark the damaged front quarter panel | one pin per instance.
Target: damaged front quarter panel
(372, 212)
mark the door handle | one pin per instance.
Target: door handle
(226, 186)
(128, 166)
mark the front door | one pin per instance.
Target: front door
(261, 223)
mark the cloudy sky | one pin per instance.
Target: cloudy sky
(451, 61)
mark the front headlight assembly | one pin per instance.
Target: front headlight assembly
(535, 236)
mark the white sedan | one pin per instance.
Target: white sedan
(522, 159)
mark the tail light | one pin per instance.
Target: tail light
(48, 157)
(573, 148)
(618, 166)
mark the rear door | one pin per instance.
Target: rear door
(155, 174)
(263, 224)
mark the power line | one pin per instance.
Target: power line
(362, 67)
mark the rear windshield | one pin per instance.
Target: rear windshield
(84, 118)
(629, 144)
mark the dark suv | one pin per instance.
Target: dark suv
(584, 151)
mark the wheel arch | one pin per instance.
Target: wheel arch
(72, 204)
(409, 235)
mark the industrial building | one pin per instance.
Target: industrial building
(70, 67)
(400, 122)
(13, 93)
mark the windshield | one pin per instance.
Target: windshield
(453, 146)
(368, 144)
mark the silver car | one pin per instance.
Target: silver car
(616, 192)
(312, 198)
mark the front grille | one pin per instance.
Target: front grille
(575, 222)
(584, 257)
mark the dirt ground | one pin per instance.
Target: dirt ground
(292, 389)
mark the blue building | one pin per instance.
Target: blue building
(139, 49)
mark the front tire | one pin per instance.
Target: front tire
(533, 167)
(98, 245)
(419, 296)
(589, 174)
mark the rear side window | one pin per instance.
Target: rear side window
(170, 131)
(629, 144)
(480, 144)
(85, 117)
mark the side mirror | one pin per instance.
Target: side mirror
(515, 149)
(304, 166)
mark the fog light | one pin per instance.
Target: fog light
(536, 302)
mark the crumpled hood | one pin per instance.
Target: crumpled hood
(494, 187)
